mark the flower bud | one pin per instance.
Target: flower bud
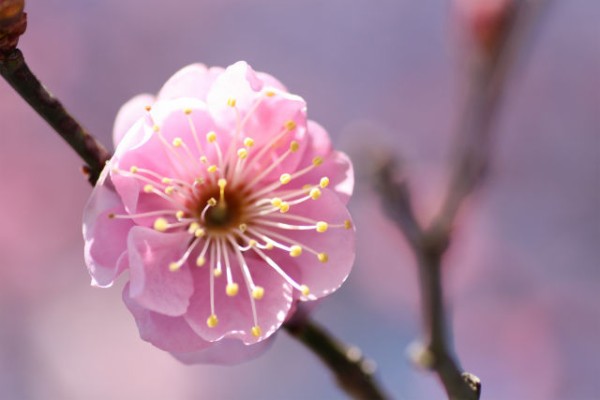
(13, 22)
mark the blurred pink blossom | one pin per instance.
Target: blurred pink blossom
(226, 206)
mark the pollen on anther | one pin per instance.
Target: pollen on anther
(222, 183)
(252, 243)
(212, 202)
(199, 232)
(200, 261)
(232, 289)
(270, 93)
(322, 226)
(148, 108)
(179, 214)
(193, 227)
(177, 142)
(305, 290)
(212, 169)
(290, 125)
(242, 153)
(285, 179)
(133, 169)
(243, 227)
(315, 193)
(169, 190)
(256, 331)
(276, 202)
(166, 180)
(148, 188)
(218, 272)
(203, 159)
(156, 128)
(187, 111)
(323, 257)
(161, 224)
(212, 321)
(324, 182)
(347, 224)
(231, 102)
(211, 136)
(174, 266)
(295, 251)
(248, 142)
(258, 292)
(284, 207)
(317, 161)
(294, 146)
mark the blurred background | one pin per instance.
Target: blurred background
(523, 272)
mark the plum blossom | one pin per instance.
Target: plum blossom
(226, 206)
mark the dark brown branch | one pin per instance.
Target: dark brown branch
(490, 69)
(16, 72)
(353, 374)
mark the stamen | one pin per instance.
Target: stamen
(212, 321)
(200, 261)
(278, 269)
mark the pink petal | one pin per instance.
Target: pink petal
(338, 168)
(128, 114)
(153, 285)
(105, 238)
(168, 333)
(235, 313)
(192, 81)
(337, 243)
(226, 352)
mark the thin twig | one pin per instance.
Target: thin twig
(16, 72)
(472, 158)
(352, 372)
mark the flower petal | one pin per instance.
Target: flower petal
(128, 114)
(225, 352)
(192, 81)
(235, 313)
(105, 238)
(153, 285)
(168, 333)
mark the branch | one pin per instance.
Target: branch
(353, 373)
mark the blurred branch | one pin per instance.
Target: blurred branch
(14, 69)
(490, 68)
(354, 373)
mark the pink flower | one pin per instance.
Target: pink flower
(226, 206)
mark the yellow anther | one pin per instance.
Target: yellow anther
(193, 227)
(305, 290)
(307, 188)
(161, 224)
(203, 159)
(232, 289)
(315, 193)
(323, 257)
(295, 251)
(148, 188)
(211, 136)
(187, 111)
(270, 93)
(256, 331)
(317, 161)
(322, 226)
(290, 125)
(285, 179)
(212, 202)
(347, 224)
(212, 321)
(174, 266)
(133, 169)
(179, 214)
(166, 180)
(169, 190)
(294, 146)
(148, 108)
(218, 273)
(199, 181)
(252, 243)
(199, 232)
(177, 142)
(243, 227)
(222, 183)
(248, 142)
(324, 182)
(200, 261)
(231, 102)
(156, 128)
(258, 292)
(284, 207)
(276, 202)
(212, 169)
(269, 245)
(242, 153)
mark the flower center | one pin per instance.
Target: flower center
(228, 212)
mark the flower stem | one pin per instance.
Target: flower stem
(353, 373)
(16, 72)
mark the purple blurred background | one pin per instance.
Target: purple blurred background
(523, 274)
